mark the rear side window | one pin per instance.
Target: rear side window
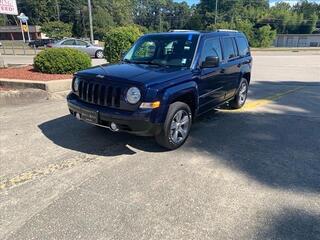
(243, 46)
(211, 48)
(68, 42)
(81, 43)
(229, 50)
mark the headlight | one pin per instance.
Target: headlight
(133, 95)
(75, 86)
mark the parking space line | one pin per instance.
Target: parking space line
(44, 171)
(267, 100)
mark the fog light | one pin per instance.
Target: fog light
(114, 127)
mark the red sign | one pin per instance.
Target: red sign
(8, 7)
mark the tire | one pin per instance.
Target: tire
(241, 95)
(99, 54)
(174, 133)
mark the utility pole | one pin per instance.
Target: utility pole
(160, 21)
(58, 10)
(90, 21)
(215, 16)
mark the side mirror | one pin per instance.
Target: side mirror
(122, 54)
(88, 45)
(210, 62)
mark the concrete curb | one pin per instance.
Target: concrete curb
(48, 86)
(13, 97)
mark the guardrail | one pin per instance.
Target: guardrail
(18, 48)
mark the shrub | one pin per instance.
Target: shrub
(57, 29)
(118, 40)
(264, 37)
(61, 60)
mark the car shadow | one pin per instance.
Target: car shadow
(70, 133)
(278, 148)
(291, 224)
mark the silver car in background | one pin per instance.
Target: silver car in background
(92, 50)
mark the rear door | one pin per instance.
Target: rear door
(83, 46)
(230, 66)
(210, 84)
(69, 43)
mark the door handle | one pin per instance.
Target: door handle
(222, 70)
(239, 65)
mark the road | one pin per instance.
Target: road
(248, 174)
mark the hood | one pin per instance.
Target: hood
(138, 73)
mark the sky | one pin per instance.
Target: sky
(272, 2)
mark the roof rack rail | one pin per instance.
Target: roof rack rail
(226, 30)
(181, 30)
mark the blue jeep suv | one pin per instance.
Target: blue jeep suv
(163, 83)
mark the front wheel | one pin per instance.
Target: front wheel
(176, 127)
(241, 96)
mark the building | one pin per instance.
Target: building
(297, 40)
(14, 33)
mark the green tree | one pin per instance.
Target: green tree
(118, 40)
(57, 29)
(38, 11)
(264, 37)
(244, 26)
(308, 26)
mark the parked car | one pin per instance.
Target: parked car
(163, 83)
(41, 42)
(92, 50)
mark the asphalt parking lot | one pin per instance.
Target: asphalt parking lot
(248, 174)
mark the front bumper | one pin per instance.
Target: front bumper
(137, 122)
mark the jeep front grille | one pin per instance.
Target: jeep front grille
(99, 93)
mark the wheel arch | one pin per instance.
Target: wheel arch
(247, 76)
(186, 92)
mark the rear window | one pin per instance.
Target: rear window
(243, 46)
(228, 48)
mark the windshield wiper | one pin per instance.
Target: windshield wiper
(149, 63)
(127, 61)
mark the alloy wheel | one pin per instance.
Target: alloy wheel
(243, 93)
(179, 126)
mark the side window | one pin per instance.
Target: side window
(228, 48)
(211, 48)
(68, 42)
(242, 46)
(81, 43)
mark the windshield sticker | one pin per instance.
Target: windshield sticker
(190, 37)
(184, 61)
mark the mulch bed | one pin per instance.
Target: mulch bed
(28, 73)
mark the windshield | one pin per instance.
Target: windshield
(174, 50)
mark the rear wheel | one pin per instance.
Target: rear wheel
(99, 54)
(241, 96)
(176, 127)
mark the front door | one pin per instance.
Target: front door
(211, 91)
